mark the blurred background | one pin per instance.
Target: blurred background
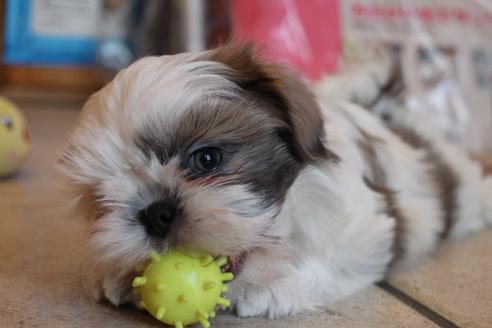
(443, 47)
(55, 53)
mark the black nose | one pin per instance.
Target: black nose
(157, 218)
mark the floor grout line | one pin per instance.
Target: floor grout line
(417, 306)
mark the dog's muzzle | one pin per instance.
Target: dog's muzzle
(157, 218)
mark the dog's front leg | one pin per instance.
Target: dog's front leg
(352, 259)
(111, 283)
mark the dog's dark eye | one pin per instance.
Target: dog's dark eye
(205, 160)
(7, 122)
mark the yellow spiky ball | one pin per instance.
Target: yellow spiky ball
(182, 287)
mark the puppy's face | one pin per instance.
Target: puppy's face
(195, 150)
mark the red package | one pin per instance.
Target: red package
(303, 34)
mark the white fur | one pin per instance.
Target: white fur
(339, 242)
(332, 235)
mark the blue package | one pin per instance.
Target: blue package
(55, 33)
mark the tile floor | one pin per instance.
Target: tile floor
(41, 278)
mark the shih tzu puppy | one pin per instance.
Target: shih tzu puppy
(311, 200)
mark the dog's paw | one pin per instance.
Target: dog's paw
(250, 309)
(116, 288)
(274, 301)
(262, 304)
(93, 286)
(118, 291)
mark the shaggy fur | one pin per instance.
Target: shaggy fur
(313, 199)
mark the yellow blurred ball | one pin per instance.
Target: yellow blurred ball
(15, 139)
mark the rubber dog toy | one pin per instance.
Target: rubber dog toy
(182, 287)
(15, 140)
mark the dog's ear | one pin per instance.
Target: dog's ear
(76, 182)
(290, 99)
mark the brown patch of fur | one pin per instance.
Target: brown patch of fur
(367, 147)
(375, 180)
(393, 211)
(89, 204)
(291, 100)
(253, 153)
(443, 176)
(232, 122)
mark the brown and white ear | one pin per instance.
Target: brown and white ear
(291, 99)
